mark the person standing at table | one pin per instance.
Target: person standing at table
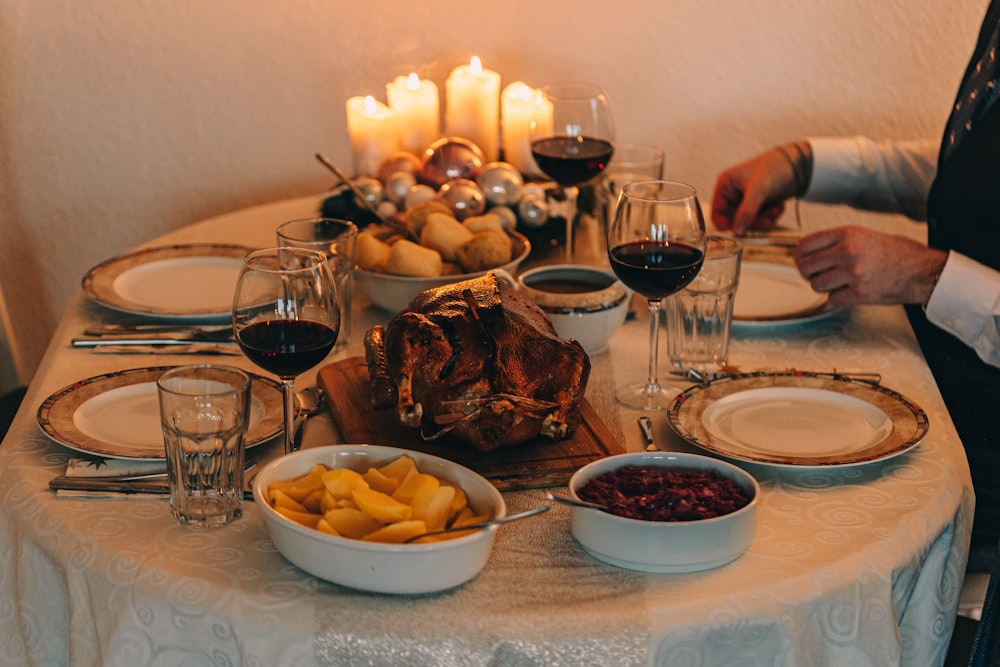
(950, 287)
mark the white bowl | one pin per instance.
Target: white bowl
(584, 303)
(369, 566)
(662, 546)
(394, 293)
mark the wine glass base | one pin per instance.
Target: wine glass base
(639, 397)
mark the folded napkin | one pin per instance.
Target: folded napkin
(80, 470)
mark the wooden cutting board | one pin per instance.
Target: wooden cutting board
(536, 464)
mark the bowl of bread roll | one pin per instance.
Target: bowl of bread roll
(429, 248)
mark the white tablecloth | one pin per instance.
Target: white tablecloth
(849, 566)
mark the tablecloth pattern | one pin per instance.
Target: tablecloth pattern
(852, 565)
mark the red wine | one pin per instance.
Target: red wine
(286, 347)
(572, 160)
(656, 269)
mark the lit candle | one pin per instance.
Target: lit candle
(374, 133)
(418, 111)
(472, 107)
(520, 106)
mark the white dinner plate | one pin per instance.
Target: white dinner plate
(190, 282)
(117, 415)
(798, 419)
(770, 292)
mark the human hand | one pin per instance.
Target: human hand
(751, 195)
(858, 265)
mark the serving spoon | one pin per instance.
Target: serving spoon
(481, 524)
(573, 502)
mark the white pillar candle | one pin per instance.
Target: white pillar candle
(520, 106)
(418, 111)
(374, 133)
(472, 107)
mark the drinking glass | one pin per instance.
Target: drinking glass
(204, 413)
(338, 240)
(286, 316)
(656, 246)
(572, 140)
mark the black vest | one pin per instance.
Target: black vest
(963, 214)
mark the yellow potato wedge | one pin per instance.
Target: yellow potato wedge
(280, 499)
(380, 481)
(305, 518)
(381, 506)
(341, 482)
(397, 533)
(324, 527)
(413, 484)
(399, 468)
(433, 506)
(351, 522)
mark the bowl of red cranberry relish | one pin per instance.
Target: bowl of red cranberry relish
(666, 511)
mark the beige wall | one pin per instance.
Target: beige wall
(124, 119)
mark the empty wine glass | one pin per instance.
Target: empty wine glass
(286, 316)
(656, 246)
(572, 140)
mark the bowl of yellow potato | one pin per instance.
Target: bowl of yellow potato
(343, 513)
(432, 248)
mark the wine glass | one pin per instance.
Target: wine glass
(656, 246)
(286, 316)
(572, 139)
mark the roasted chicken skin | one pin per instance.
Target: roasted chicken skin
(480, 361)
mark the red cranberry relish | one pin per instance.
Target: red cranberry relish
(664, 494)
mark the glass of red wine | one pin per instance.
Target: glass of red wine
(572, 140)
(286, 316)
(656, 245)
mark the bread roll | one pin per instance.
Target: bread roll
(487, 249)
(411, 259)
(416, 217)
(372, 253)
(479, 223)
(444, 234)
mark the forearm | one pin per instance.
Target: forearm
(878, 176)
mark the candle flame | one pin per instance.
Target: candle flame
(476, 65)
(370, 104)
(413, 81)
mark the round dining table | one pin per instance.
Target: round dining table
(853, 564)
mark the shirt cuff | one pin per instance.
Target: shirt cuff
(965, 297)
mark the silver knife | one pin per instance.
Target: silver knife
(92, 484)
(146, 348)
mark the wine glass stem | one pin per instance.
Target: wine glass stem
(288, 400)
(652, 382)
(571, 196)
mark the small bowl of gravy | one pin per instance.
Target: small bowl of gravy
(585, 303)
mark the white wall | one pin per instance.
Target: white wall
(124, 119)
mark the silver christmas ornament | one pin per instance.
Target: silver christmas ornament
(507, 216)
(533, 212)
(501, 183)
(449, 158)
(464, 197)
(372, 189)
(417, 194)
(398, 184)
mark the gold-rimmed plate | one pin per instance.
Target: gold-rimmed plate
(117, 415)
(192, 282)
(798, 418)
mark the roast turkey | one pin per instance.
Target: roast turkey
(479, 361)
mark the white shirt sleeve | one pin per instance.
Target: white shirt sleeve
(966, 304)
(886, 176)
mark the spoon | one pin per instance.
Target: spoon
(481, 524)
(310, 401)
(573, 502)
